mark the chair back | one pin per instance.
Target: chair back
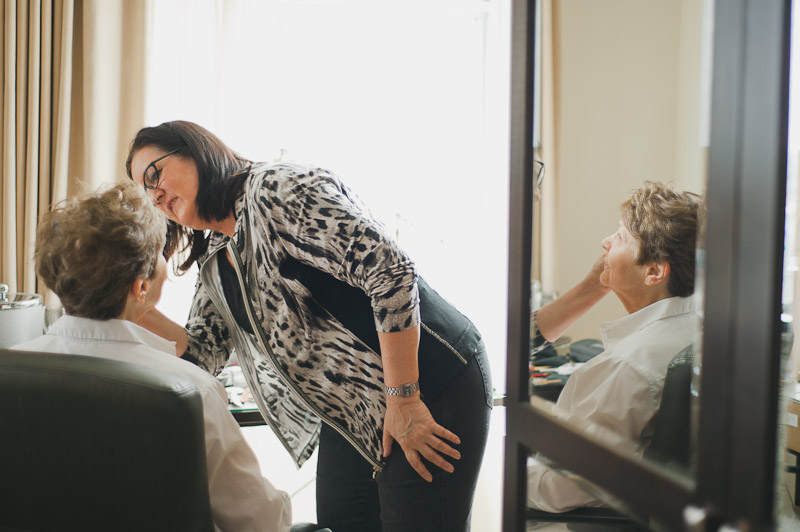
(670, 444)
(93, 444)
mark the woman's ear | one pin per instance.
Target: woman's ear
(656, 273)
(139, 289)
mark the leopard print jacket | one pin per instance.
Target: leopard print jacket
(300, 363)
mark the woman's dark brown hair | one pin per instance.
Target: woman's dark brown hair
(221, 175)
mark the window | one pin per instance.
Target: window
(406, 100)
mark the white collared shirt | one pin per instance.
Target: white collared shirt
(616, 394)
(241, 499)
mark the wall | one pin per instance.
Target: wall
(627, 109)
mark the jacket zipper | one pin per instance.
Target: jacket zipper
(257, 397)
(237, 263)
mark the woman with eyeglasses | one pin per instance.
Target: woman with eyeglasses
(341, 342)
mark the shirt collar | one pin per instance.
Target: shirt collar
(113, 330)
(613, 332)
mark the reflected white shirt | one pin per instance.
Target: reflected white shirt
(615, 395)
(241, 499)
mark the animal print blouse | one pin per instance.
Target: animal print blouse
(300, 363)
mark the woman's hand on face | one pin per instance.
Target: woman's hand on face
(596, 273)
(409, 422)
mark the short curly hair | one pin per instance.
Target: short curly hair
(664, 221)
(90, 250)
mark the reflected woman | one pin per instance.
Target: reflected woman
(649, 264)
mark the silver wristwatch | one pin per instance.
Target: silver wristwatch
(404, 390)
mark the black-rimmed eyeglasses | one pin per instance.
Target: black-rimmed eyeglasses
(150, 178)
(539, 174)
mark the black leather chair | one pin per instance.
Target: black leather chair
(670, 447)
(89, 444)
(671, 443)
(92, 444)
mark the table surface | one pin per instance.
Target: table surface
(249, 416)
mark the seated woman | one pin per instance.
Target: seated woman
(102, 255)
(649, 263)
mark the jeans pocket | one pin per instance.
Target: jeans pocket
(486, 374)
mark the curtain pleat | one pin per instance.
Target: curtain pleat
(30, 184)
(549, 152)
(8, 221)
(545, 226)
(73, 97)
(45, 107)
(61, 95)
(21, 79)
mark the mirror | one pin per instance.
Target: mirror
(625, 98)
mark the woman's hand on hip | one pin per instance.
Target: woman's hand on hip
(409, 422)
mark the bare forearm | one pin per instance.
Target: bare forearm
(408, 421)
(556, 317)
(155, 322)
(399, 354)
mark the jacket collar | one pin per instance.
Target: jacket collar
(216, 239)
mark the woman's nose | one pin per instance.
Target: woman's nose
(155, 195)
(606, 243)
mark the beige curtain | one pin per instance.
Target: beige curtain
(547, 230)
(73, 97)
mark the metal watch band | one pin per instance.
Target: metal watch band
(404, 390)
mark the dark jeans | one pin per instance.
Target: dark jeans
(349, 500)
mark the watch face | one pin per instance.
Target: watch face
(409, 389)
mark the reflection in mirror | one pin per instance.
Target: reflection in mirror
(625, 100)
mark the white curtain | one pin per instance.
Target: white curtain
(547, 228)
(416, 124)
